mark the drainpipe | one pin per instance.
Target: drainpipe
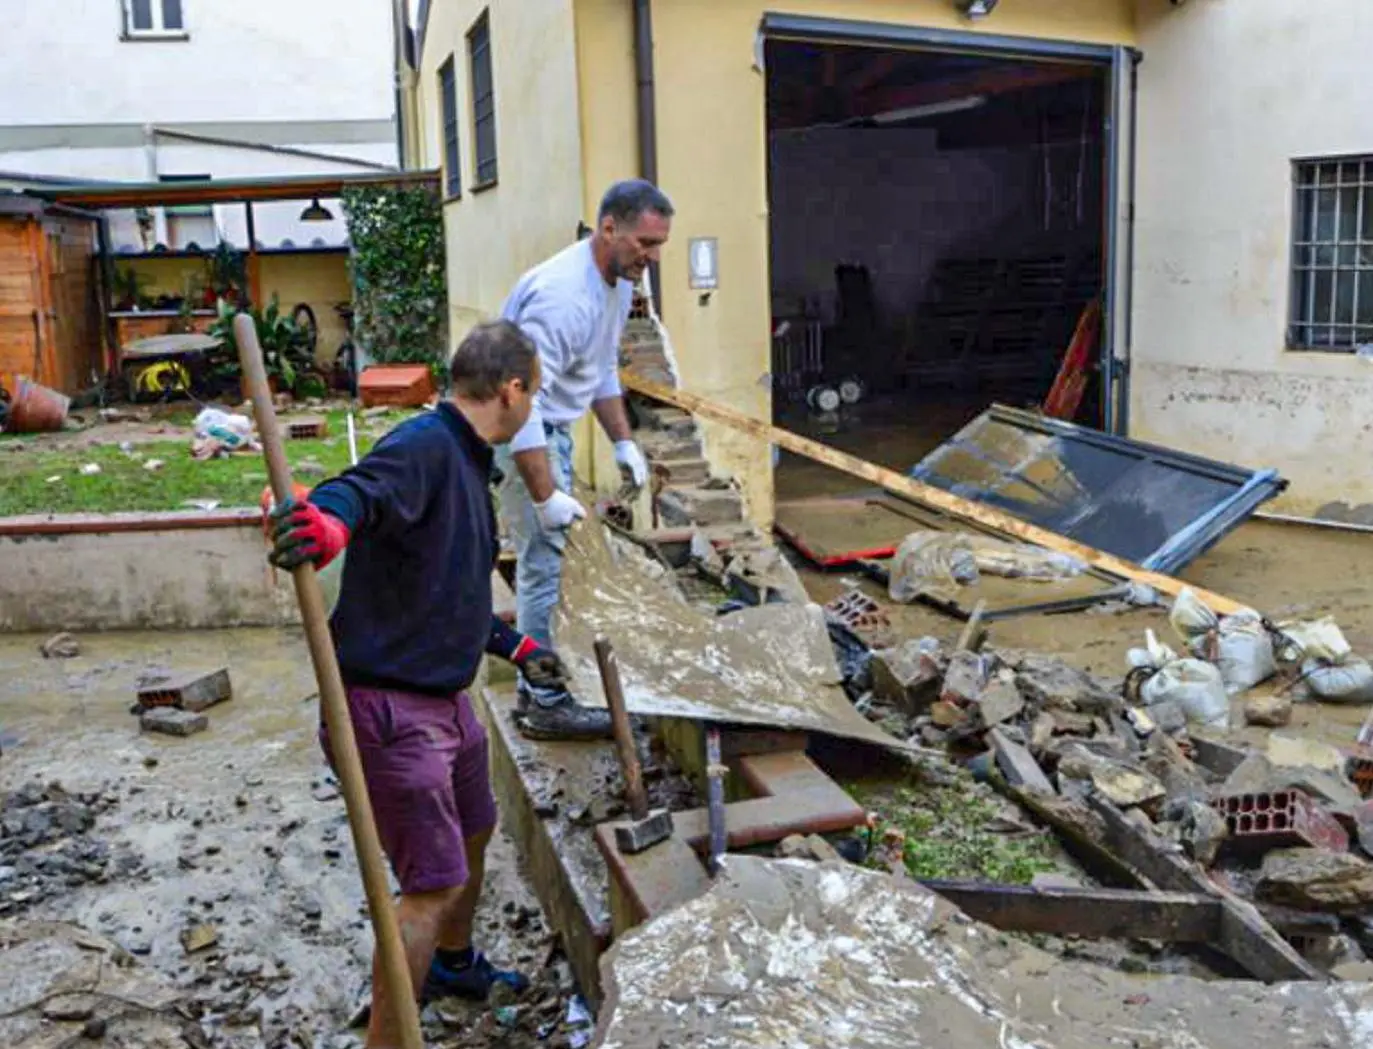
(404, 78)
(647, 113)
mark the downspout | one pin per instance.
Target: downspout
(647, 114)
(400, 26)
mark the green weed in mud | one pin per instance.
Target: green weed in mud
(948, 834)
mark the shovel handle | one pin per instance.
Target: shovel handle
(390, 948)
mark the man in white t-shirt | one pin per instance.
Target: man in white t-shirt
(574, 306)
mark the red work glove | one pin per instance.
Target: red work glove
(541, 667)
(303, 532)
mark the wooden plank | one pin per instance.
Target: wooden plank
(925, 494)
(1244, 935)
(1128, 914)
(1107, 842)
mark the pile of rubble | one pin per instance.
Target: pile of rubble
(46, 845)
(1287, 825)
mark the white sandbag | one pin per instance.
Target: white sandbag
(1318, 639)
(1243, 651)
(1239, 644)
(1193, 684)
(1347, 682)
(1191, 619)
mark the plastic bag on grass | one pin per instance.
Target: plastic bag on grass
(1239, 644)
(1193, 684)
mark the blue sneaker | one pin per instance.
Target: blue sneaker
(473, 981)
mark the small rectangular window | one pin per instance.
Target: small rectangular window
(448, 101)
(1332, 255)
(483, 101)
(154, 18)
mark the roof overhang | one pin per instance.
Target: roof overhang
(98, 195)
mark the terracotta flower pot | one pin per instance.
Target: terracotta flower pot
(37, 409)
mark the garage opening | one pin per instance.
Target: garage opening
(938, 231)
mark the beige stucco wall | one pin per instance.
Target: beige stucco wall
(1230, 94)
(712, 160)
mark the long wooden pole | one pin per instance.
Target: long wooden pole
(390, 948)
(924, 494)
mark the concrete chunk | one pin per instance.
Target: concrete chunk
(173, 722)
(1018, 765)
(909, 674)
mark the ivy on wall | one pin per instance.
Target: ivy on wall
(400, 289)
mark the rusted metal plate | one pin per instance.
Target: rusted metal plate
(1172, 917)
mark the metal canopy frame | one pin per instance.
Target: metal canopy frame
(1251, 488)
(1120, 147)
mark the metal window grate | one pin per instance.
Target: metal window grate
(1332, 254)
(448, 95)
(483, 100)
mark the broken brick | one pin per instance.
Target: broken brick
(1265, 820)
(194, 692)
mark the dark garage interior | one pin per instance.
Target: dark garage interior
(937, 230)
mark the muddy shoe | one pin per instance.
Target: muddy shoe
(565, 721)
(474, 981)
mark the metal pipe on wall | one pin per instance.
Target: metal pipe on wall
(646, 107)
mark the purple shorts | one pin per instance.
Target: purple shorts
(428, 777)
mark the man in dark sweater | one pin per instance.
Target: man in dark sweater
(412, 623)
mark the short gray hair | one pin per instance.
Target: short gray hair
(626, 201)
(489, 356)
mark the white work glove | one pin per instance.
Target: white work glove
(632, 464)
(558, 511)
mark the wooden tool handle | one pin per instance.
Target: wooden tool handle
(624, 732)
(390, 949)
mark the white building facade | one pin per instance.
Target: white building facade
(1253, 277)
(153, 90)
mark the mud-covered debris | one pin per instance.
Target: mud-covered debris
(199, 937)
(1316, 879)
(1122, 783)
(908, 674)
(173, 722)
(966, 677)
(60, 646)
(1051, 683)
(1017, 764)
(807, 847)
(1272, 710)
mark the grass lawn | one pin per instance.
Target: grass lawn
(124, 483)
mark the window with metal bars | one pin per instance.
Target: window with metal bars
(1332, 255)
(483, 102)
(448, 96)
(154, 18)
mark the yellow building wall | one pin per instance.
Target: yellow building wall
(495, 234)
(712, 162)
(320, 279)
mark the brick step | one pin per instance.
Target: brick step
(683, 471)
(651, 372)
(694, 505)
(660, 417)
(658, 444)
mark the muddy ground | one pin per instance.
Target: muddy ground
(239, 830)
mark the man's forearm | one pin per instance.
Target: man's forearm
(536, 473)
(613, 417)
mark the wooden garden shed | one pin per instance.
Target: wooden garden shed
(50, 315)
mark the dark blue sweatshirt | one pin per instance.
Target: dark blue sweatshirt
(414, 610)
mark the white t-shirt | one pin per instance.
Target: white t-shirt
(576, 320)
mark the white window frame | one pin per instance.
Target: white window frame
(158, 30)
